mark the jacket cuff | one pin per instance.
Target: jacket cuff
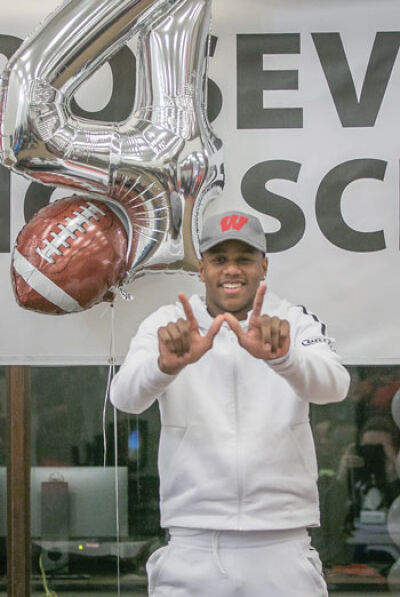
(160, 380)
(283, 364)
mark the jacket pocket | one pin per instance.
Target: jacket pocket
(304, 446)
(196, 465)
(171, 443)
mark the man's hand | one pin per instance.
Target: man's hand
(181, 343)
(266, 337)
(349, 460)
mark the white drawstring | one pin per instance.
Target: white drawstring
(215, 551)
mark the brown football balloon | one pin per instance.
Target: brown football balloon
(69, 256)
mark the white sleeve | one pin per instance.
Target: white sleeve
(312, 367)
(139, 382)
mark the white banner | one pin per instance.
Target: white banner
(305, 98)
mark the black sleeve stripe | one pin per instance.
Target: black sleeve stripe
(315, 318)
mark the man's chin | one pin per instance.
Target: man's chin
(239, 310)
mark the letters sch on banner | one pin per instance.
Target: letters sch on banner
(252, 81)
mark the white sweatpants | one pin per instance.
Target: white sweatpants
(198, 563)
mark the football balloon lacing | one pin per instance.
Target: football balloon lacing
(68, 231)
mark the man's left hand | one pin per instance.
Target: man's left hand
(267, 337)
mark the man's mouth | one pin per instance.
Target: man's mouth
(232, 287)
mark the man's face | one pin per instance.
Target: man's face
(384, 439)
(379, 438)
(232, 272)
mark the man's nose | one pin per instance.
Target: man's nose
(231, 267)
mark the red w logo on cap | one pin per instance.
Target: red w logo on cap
(233, 221)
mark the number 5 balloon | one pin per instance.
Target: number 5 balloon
(163, 164)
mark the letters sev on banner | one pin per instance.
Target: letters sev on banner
(306, 102)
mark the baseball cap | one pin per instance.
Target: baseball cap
(232, 225)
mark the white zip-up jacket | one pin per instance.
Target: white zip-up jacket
(236, 449)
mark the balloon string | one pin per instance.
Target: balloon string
(117, 527)
(104, 415)
(111, 373)
(139, 456)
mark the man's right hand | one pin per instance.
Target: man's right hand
(180, 343)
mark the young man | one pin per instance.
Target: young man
(234, 375)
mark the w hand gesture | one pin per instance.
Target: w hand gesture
(180, 343)
(266, 337)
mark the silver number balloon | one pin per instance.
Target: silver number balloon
(163, 164)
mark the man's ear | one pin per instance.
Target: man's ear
(201, 270)
(265, 265)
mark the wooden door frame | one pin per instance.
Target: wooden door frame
(18, 482)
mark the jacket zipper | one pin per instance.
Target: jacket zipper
(238, 452)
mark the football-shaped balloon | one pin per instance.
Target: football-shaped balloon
(69, 255)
